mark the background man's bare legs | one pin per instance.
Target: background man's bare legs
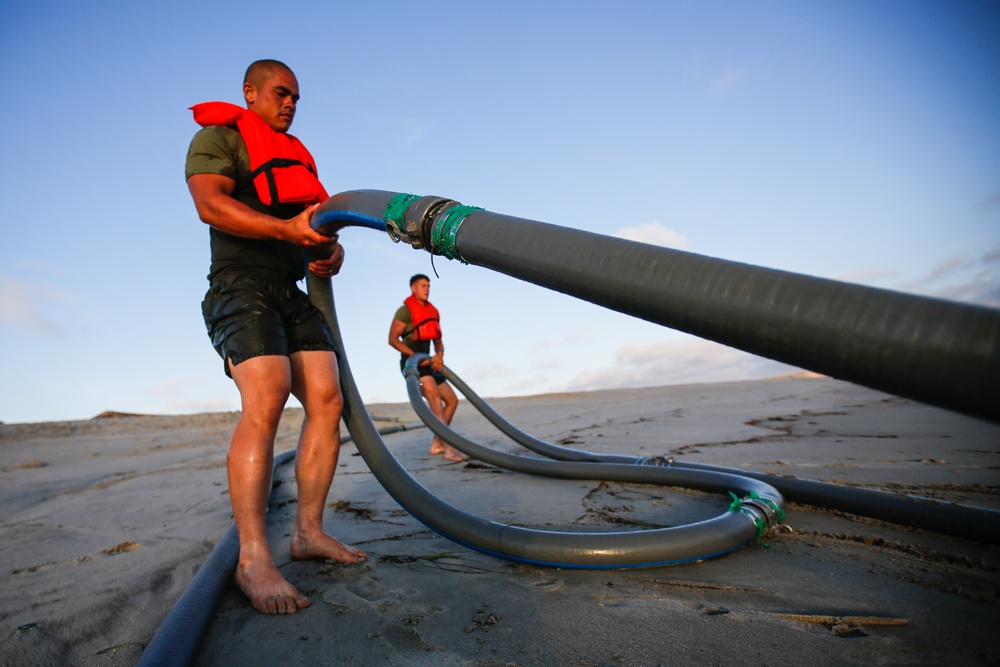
(443, 403)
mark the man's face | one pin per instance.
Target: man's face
(421, 289)
(275, 99)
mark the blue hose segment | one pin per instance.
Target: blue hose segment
(357, 219)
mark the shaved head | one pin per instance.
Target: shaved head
(261, 70)
(272, 91)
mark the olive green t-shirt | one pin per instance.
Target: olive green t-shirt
(221, 150)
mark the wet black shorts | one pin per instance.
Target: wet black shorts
(262, 314)
(424, 371)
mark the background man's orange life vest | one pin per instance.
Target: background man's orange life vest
(426, 321)
(281, 167)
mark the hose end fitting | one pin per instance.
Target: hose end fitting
(410, 368)
(409, 218)
(764, 512)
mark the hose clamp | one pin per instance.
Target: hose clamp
(764, 512)
(409, 218)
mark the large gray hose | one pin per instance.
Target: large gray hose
(972, 523)
(940, 352)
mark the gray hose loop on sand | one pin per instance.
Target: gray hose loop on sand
(663, 546)
(978, 524)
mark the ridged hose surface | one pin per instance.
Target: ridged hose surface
(940, 352)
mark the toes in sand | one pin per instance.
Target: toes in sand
(268, 591)
(455, 456)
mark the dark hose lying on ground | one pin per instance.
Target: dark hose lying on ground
(180, 634)
(972, 523)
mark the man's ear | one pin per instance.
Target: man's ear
(249, 93)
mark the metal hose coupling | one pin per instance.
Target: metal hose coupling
(410, 218)
(764, 512)
(656, 461)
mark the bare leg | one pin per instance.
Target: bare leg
(442, 401)
(428, 387)
(264, 384)
(450, 401)
(315, 383)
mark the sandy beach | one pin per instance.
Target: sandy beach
(106, 521)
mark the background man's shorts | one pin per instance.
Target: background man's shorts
(263, 314)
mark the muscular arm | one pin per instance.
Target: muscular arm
(396, 340)
(213, 198)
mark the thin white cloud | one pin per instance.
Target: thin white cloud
(991, 203)
(654, 233)
(489, 371)
(21, 305)
(409, 129)
(174, 395)
(867, 276)
(961, 277)
(536, 384)
(715, 82)
(964, 277)
(672, 362)
(950, 266)
(732, 78)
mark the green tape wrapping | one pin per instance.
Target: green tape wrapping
(444, 233)
(737, 506)
(396, 209)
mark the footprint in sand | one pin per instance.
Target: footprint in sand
(549, 585)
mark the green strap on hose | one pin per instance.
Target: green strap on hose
(444, 233)
(737, 506)
(396, 209)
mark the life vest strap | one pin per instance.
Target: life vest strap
(268, 170)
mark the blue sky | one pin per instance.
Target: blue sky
(851, 140)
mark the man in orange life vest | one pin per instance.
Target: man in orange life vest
(256, 187)
(415, 326)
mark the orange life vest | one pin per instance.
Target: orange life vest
(426, 321)
(282, 169)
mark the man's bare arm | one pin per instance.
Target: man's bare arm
(396, 338)
(213, 198)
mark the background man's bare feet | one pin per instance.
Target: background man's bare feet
(453, 455)
(325, 547)
(268, 591)
(437, 447)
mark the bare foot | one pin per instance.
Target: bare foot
(325, 547)
(437, 447)
(268, 591)
(453, 455)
